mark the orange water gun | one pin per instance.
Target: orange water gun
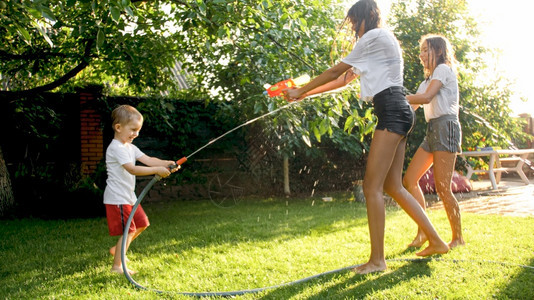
(278, 88)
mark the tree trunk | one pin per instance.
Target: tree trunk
(6, 192)
(286, 176)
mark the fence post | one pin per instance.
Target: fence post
(91, 135)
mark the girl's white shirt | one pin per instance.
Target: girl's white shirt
(377, 59)
(446, 101)
(120, 184)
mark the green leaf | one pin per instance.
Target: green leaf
(43, 33)
(317, 134)
(349, 124)
(24, 34)
(47, 13)
(129, 11)
(368, 128)
(100, 38)
(266, 4)
(306, 140)
(369, 113)
(115, 13)
(35, 13)
(324, 126)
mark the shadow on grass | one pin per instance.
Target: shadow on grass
(201, 224)
(520, 286)
(350, 284)
(42, 257)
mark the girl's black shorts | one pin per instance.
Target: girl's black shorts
(393, 111)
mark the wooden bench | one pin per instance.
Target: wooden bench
(519, 157)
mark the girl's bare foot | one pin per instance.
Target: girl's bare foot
(440, 248)
(418, 241)
(456, 243)
(119, 270)
(112, 252)
(370, 267)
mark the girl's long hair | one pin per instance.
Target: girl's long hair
(439, 52)
(362, 10)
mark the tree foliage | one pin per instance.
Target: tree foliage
(230, 46)
(230, 49)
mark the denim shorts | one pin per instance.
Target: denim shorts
(443, 134)
(393, 111)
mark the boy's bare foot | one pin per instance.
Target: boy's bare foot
(370, 267)
(418, 241)
(432, 249)
(119, 270)
(456, 243)
(112, 252)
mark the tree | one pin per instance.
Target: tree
(6, 193)
(231, 48)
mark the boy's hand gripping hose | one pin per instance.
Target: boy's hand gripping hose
(142, 195)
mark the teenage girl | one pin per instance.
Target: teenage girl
(439, 96)
(377, 60)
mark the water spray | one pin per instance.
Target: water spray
(234, 129)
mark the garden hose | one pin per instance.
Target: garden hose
(257, 290)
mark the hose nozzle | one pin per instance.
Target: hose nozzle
(181, 161)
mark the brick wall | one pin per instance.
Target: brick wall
(91, 136)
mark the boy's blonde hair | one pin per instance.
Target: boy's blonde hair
(124, 114)
(442, 52)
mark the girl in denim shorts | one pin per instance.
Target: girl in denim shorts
(377, 60)
(440, 98)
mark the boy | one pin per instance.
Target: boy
(119, 195)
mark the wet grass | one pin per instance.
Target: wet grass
(194, 246)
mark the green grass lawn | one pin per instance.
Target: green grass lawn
(194, 246)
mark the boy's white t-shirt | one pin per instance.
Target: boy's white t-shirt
(446, 101)
(377, 59)
(120, 184)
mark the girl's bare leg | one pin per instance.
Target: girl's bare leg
(443, 172)
(419, 164)
(393, 186)
(384, 170)
(381, 155)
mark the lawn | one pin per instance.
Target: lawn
(194, 246)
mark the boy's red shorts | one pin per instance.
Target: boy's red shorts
(118, 215)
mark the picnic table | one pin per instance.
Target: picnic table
(519, 157)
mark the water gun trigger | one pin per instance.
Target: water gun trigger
(278, 88)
